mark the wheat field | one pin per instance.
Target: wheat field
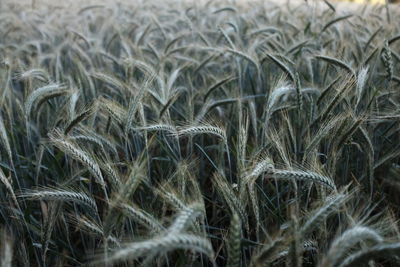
(203, 133)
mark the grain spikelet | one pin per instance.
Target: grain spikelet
(77, 153)
(61, 195)
(387, 60)
(303, 176)
(41, 93)
(203, 129)
(330, 206)
(384, 251)
(163, 244)
(346, 241)
(185, 217)
(142, 217)
(9, 187)
(234, 242)
(4, 139)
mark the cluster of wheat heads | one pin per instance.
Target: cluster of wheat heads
(208, 134)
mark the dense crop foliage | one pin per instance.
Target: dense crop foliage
(199, 135)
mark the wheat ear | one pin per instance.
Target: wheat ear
(345, 242)
(163, 244)
(384, 251)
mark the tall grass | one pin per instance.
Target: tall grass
(199, 134)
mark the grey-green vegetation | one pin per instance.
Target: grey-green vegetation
(206, 134)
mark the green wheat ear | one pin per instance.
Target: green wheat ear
(43, 93)
(7, 249)
(384, 251)
(163, 244)
(77, 153)
(348, 240)
(234, 241)
(386, 56)
(61, 195)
